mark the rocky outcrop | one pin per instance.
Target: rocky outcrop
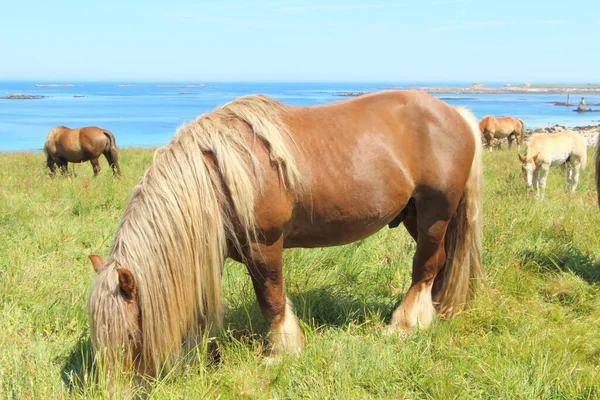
(351, 94)
(18, 96)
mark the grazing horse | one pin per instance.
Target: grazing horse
(502, 127)
(565, 148)
(598, 169)
(64, 145)
(255, 177)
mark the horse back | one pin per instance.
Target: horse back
(76, 145)
(363, 159)
(558, 147)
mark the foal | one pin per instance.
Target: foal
(566, 148)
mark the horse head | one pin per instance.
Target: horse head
(115, 321)
(528, 166)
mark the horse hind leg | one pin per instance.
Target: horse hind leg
(568, 169)
(576, 166)
(113, 160)
(95, 165)
(417, 309)
(265, 266)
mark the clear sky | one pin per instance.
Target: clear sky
(315, 40)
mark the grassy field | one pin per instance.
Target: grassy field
(532, 333)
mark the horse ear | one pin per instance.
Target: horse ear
(127, 283)
(522, 158)
(97, 262)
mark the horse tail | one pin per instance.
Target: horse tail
(455, 284)
(111, 151)
(112, 142)
(583, 153)
(598, 169)
(523, 131)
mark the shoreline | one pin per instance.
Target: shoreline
(478, 88)
(589, 132)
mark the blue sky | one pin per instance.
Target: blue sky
(401, 41)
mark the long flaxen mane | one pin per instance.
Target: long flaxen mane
(174, 234)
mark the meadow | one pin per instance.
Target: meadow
(533, 331)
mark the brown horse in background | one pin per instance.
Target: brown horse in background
(502, 127)
(64, 145)
(255, 177)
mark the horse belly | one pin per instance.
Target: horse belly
(71, 151)
(330, 232)
(346, 204)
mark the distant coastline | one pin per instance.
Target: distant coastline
(57, 85)
(478, 88)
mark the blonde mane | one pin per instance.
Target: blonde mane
(174, 234)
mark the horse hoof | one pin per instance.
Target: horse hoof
(391, 330)
(271, 360)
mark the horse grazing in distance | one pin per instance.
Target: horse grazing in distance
(565, 148)
(502, 127)
(64, 145)
(254, 177)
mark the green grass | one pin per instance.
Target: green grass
(533, 331)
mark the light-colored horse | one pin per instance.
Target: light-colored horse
(255, 177)
(64, 145)
(493, 128)
(566, 148)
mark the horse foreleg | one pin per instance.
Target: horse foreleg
(542, 178)
(265, 266)
(63, 165)
(51, 165)
(489, 137)
(416, 309)
(96, 165)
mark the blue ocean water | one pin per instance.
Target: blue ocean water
(147, 114)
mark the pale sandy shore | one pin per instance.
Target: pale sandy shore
(478, 88)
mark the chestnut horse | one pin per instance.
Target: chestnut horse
(565, 148)
(255, 177)
(502, 127)
(64, 145)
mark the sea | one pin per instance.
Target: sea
(148, 114)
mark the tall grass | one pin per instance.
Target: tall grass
(532, 332)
